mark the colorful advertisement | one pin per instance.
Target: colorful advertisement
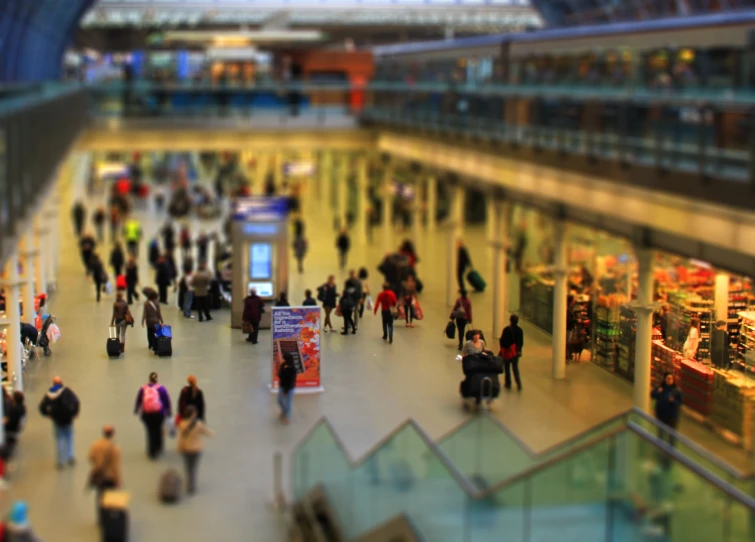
(297, 330)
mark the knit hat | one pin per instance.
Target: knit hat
(19, 513)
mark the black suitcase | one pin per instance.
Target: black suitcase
(113, 348)
(114, 524)
(164, 347)
(450, 330)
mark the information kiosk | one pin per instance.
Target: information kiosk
(260, 253)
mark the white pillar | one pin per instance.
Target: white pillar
(559, 300)
(362, 218)
(432, 203)
(28, 255)
(41, 246)
(326, 176)
(342, 185)
(12, 287)
(644, 336)
(500, 244)
(721, 297)
(387, 215)
(454, 235)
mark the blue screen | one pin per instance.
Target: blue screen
(260, 261)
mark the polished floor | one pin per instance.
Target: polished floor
(370, 387)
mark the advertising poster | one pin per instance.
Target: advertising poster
(297, 330)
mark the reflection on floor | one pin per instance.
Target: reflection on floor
(370, 387)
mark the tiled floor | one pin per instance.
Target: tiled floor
(370, 387)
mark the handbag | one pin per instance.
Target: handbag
(129, 319)
(368, 303)
(339, 313)
(246, 327)
(508, 353)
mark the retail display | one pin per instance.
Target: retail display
(734, 407)
(627, 340)
(664, 360)
(696, 383)
(536, 300)
(745, 358)
(606, 330)
(685, 307)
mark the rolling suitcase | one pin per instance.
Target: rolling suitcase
(169, 490)
(475, 279)
(113, 516)
(113, 344)
(164, 347)
(450, 330)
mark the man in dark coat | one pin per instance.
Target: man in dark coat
(463, 262)
(253, 309)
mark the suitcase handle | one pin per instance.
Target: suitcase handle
(113, 332)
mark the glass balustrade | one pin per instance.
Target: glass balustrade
(618, 482)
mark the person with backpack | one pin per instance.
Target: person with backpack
(153, 402)
(511, 343)
(462, 315)
(17, 527)
(61, 405)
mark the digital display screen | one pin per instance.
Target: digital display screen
(260, 261)
(264, 289)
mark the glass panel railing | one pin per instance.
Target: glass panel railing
(693, 452)
(662, 498)
(321, 460)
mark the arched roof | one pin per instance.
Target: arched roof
(34, 35)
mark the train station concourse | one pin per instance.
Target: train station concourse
(357, 271)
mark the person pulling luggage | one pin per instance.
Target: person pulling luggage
(462, 315)
(121, 318)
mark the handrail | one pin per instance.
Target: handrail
(733, 492)
(729, 469)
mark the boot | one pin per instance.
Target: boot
(123, 347)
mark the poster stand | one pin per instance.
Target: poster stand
(297, 330)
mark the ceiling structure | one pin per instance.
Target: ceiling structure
(129, 24)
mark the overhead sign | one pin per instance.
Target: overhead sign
(260, 209)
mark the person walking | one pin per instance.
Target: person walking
(408, 295)
(511, 344)
(115, 221)
(185, 238)
(191, 395)
(343, 244)
(300, 251)
(253, 309)
(153, 252)
(17, 527)
(79, 214)
(151, 316)
(117, 259)
(191, 431)
(309, 301)
(186, 294)
(99, 223)
(668, 405)
(461, 314)
(353, 289)
(347, 307)
(386, 301)
(133, 234)
(365, 287)
(14, 414)
(61, 405)
(121, 319)
(327, 294)
(168, 233)
(86, 246)
(132, 280)
(463, 262)
(105, 461)
(98, 274)
(286, 386)
(153, 403)
(201, 283)
(163, 278)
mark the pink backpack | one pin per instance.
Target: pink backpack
(151, 402)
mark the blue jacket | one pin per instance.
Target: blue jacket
(668, 403)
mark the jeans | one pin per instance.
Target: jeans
(508, 365)
(188, 300)
(285, 399)
(153, 423)
(203, 307)
(191, 462)
(461, 324)
(387, 324)
(64, 442)
(252, 337)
